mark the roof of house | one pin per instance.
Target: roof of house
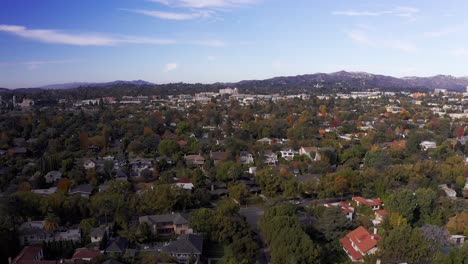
(362, 239)
(82, 188)
(382, 212)
(118, 244)
(28, 253)
(188, 244)
(175, 218)
(112, 261)
(219, 155)
(369, 202)
(184, 180)
(98, 231)
(85, 253)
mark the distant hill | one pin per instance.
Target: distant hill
(78, 84)
(341, 81)
(356, 81)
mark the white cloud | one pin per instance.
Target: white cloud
(401, 11)
(36, 63)
(79, 39)
(170, 67)
(210, 43)
(171, 15)
(358, 36)
(361, 37)
(205, 3)
(442, 32)
(211, 58)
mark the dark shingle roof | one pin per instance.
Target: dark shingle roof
(118, 244)
(175, 218)
(188, 244)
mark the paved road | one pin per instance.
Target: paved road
(253, 214)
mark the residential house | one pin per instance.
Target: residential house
(360, 242)
(83, 190)
(270, 158)
(246, 158)
(265, 141)
(458, 239)
(116, 246)
(347, 209)
(89, 164)
(219, 156)
(451, 193)
(374, 203)
(53, 176)
(85, 254)
(33, 233)
(31, 255)
(45, 192)
(185, 183)
(218, 189)
(288, 154)
(195, 160)
(167, 224)
(311, 151)
(97, 234)
(185, 248)
(426, 145)
(380, 216)
(138, 165)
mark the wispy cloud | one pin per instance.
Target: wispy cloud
(210, 43)
(442, 32)
(205, 3)
(36, 63)
(401, 11)
(171, 15)
(361, 37)
(170, 67)
(459, 52)
(79, 39)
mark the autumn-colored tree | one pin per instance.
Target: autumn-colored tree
(63, 184)
(84, 140)
(51, 222)
(458, 224)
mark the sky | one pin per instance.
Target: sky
(206, 41)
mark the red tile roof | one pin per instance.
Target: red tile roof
(382, 212)
(85, 253)
(362, 239)
(369, 202)
(184, 180)
(28, 253)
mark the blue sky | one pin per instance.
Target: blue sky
(57, 41)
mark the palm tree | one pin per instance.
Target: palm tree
(51, 222)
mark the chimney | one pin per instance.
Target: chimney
(375, 231)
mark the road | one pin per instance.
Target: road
(253, 214)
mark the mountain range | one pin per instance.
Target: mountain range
(341, 80)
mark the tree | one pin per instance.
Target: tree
(228, 171)
(405, 244)
(202, 221)
(402, 201)
(51, 222)
(168, 147)
(458, 224)
(332, 223)
(239, 192)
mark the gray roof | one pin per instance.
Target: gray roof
(185, 244)
(175, 218)
(112, 261)
(118, 244)
(82, 188)
(98, 231)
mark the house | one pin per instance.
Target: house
(167, 224)
(195, 160)
(116, 246)
(97, 234)
(138, 165)
(360, 242)
(85, 254)
(451, 193)
(380, 216)
(53, 176)
(246, 158)
(89, 164)
(265, 141)
(309, 151)
(219, 156)
(33, 233)
(83, 190)
(18, 151)
(426, 145)
(185, 183)
(186, 247)
(374, 203)
(218, 189)
(45, 192)
(31, 255)
(347, 209)
(287, 154)
(458, 239)
(270, 158)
